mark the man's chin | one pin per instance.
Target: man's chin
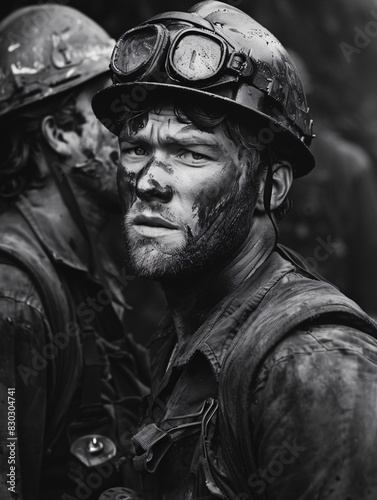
(147, 260)
(150, 268)
(151, 262)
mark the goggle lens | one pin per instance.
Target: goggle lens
(192, 55)
(135, 50)
(196, 57)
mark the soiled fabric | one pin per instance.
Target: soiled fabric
(45, 365)
(312, 414)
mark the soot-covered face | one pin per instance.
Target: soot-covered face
(188, 195)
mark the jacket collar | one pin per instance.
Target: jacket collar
(48, 234)
(59, 249)
(213, 338)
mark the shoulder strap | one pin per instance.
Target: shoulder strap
(52, 300)
(65, 367)
(286, 306)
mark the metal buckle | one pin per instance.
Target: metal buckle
(240, 63)
(93, 449)
(210, 483)
(156, 442)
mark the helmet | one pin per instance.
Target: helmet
(46, 49)
(218, 53)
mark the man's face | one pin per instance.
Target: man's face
(187, 195)
(95, 152)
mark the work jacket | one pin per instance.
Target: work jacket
(68, 368)
(304, 424)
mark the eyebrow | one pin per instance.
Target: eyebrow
(192, 140)
(201, 139)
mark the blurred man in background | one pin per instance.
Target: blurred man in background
(70, 376)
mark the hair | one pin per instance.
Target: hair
(21, 134)
(240, 131)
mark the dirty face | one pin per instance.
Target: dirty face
(188, 196)
(95, 155)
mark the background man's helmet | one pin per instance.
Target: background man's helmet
(46, 49)
(216, 52)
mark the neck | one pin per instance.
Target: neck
(95, 216)
(192, 300)
(49, 201)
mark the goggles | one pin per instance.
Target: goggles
(192, 55)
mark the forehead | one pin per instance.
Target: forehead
(165, 118)
(164, 113)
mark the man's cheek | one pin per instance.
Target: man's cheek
(208, 204)
(216, 192)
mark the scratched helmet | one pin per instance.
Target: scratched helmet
(217, 53)
(46, 49)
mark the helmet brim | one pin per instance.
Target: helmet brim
(112, 104)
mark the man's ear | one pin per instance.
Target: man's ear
(282, 177)
(55, 137)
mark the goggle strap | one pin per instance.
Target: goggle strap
(267, 195)
(244, 67)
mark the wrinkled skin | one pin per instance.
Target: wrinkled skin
(187, 195)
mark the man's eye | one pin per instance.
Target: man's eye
(139, 151)
(197, 156)
(192, 155)
(135, 151)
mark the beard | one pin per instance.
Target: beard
(222, 236)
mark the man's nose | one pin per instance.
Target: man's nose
(152, 184)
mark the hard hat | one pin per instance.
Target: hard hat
(46, 49)
(216, 52)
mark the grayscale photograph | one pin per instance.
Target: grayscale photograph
(188, 250)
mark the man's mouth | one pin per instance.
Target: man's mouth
(152, 226)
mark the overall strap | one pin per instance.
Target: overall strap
(285, 307)
(47, 284)
(65, 368)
